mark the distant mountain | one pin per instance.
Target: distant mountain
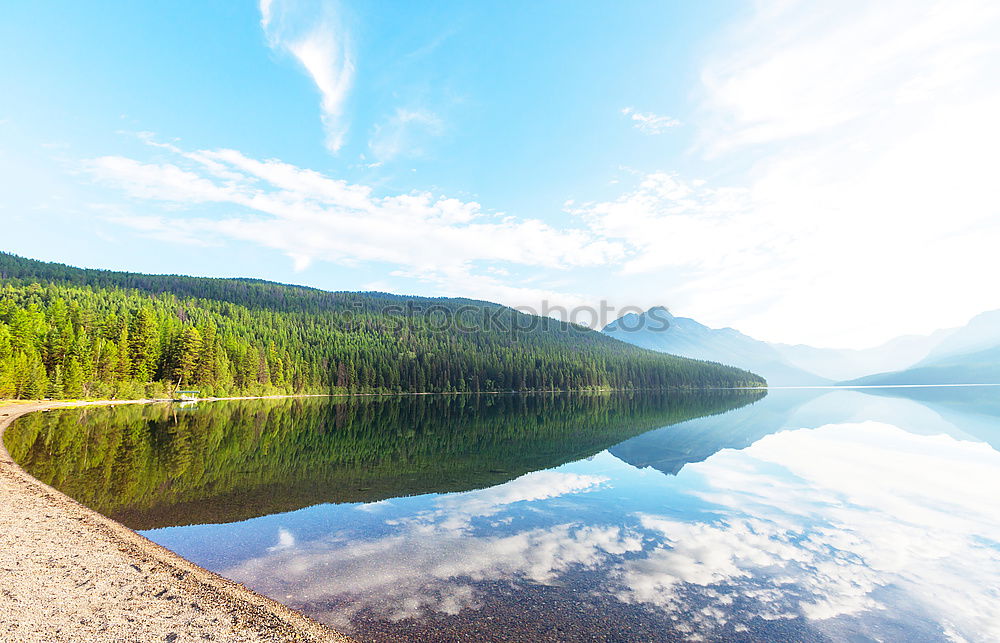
(955, 355)
(980, 367)
(966, 355)
(843, 363)
(657, 329)
(980, 334)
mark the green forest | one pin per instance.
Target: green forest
(159, 465)
(74, 333)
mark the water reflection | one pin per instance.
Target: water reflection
(851, 528)
(157, 465)
(807, 515)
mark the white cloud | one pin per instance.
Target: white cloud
(456, 511)
(794, 69)
(163, 182)
(315, 37)
(753, 559)
(265, 14)
(309, 216)
(648, 122)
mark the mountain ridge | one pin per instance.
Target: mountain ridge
(687, 337)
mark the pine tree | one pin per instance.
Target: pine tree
(187, 350)
(5, 348)
(73, 379)
(142, 345)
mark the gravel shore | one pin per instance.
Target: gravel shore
(69, 574)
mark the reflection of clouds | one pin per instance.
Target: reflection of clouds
(433, 559)
(762, 564)
(820, 528)
(865, 507)
(458, 510)
(286, 540)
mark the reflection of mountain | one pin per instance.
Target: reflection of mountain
(668, 449)
(148, 466)
(973, 412)
(964, 413)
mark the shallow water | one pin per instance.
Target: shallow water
(806, 515)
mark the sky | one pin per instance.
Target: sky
(819, 173)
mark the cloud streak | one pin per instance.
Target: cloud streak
(316, 39)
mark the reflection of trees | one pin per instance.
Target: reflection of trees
(151, 467)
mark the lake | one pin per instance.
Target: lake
(802, 514)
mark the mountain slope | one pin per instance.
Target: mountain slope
(980, 334)
(688, 338)
(841, 363)
(966, 355)
(981, 367)
(69, 332)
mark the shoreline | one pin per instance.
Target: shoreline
(68, 573)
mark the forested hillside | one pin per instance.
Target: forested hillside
(68, 332)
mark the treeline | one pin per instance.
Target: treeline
(62, 336)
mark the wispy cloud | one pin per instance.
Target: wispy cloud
(265, 14)
(310, 216)
(314, 35)
(648, 122)
(402, 133)
(794, 69)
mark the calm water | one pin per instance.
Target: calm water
(803, 515)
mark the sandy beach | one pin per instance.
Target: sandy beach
(68, 573)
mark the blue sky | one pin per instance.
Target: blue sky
(802, 172)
